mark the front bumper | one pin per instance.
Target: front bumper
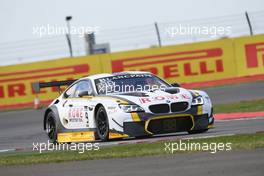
(168, 124)
(152, 126)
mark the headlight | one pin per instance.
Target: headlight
(197, 101)
(131, 108)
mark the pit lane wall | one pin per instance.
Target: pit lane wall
(193, 64)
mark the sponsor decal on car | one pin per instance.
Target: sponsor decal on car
(165, 98)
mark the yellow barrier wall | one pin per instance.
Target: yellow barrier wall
(188, 63)
(249, 53)
(15, 81)
(197, 62)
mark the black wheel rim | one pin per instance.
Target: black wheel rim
(102, 123)
(51, 128)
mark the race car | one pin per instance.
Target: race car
(121, 105)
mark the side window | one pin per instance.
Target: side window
(70, 91)
(83, 86)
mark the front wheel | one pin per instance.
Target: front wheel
(197, 131)
(102, 124)
(51, 128)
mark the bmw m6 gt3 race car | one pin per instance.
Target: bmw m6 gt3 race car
(125, 104)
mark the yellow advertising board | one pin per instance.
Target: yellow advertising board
(16, 80)
(249, 52)
(188, 63)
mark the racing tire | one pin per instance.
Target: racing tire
(51, 127)
(102, 124)
(198, 131)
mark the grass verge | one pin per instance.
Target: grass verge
(243, 106)
(246, 141)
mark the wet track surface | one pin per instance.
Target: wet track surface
(240, 163)
(235, 93)
(19, 129)
(28, 129)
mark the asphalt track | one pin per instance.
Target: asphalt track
(19, 129)
(235, 163)
(237, 92)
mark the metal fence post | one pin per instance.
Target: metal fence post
(158, 33)
(249, 23)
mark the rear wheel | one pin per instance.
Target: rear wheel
(197, 131)
(102, 124)
(51, 127)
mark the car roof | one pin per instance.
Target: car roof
(103, 75)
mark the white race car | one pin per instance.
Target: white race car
(125, 104)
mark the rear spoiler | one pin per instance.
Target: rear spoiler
(37, 85)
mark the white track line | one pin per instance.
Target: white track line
(7, 150)
(209, 136)
(250, 118)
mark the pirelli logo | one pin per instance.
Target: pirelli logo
(16, 84)
(189, 63)
(254, 55)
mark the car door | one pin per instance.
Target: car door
(65, 105)
(78, 107)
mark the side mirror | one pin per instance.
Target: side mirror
(83, 93)
(175, 85)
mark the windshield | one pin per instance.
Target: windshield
(129, 83)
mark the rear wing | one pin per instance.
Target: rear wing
(38, 85)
